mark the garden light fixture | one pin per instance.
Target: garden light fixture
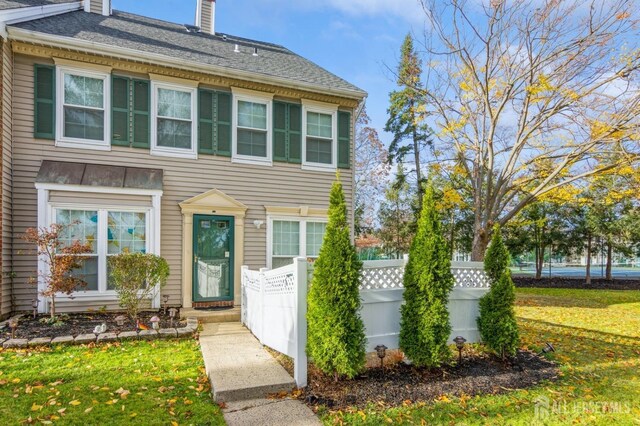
(548, 347)
(155, 322)
(13, 324)
(382, 352)
(34, 305)
(459, 341)
(120, 320)
(172, 314)
(165, 300)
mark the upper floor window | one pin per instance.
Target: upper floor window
(173, 125)
(252, 127)
(83, 109)
(320, 136)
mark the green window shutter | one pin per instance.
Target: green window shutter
(206, 134)
(344, 139)
(223, 110)
(141, 114)
(119, 111)
(295, 133)
(280, 130)
(44, 123)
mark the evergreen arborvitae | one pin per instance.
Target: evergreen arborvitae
(336, 339)
(497, 321)
(425, 327)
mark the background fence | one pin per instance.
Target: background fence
(274, 305)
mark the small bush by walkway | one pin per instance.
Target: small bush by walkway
(159, 382)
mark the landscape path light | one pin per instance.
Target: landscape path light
(548, 347)
(13, 325)
(120, 320)
(34, 304)
(459, 341)
(382, 352)
(172, 314)
(165, 301)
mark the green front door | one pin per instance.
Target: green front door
(212, 258)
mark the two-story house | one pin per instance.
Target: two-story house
(211, 150)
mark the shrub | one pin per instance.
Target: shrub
(425, 328)
(63, 262)
(497, 321)
(336, 340)
(135, 276)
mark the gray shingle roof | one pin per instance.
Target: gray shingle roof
(173, 40)
(15, 4)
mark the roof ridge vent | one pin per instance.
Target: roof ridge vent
(236, 48)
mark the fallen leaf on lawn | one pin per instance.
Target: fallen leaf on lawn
(16, 380)
(174, 423)
(36, 407)
(75, 402)
(88, 410)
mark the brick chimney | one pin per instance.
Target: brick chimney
(102, 7)
(206, 16)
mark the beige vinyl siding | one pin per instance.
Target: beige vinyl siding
(256, 186)
(5, 187)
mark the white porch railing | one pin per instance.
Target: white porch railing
(274, 305)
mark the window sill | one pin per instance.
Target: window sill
(175, 154)
(252, 160)
(93, 145)
(317, 167)
(87, 296)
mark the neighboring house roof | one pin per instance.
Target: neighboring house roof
(16, 4)
(129, 31)
(65, 173)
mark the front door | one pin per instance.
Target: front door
(212, 258)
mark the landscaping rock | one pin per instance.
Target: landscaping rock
(185, 331)
(191, 321)
(167, 333)
(128, 335)
(15, 343)
(39, 341)
(2, 340)
(62, 340)
(148, 334)
(82, 339)
(107, 337)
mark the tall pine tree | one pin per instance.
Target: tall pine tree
(425, 327)
(336, 339)
(497, 322)
(407, 113)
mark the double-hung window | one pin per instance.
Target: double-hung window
(173, 125)
(319, 126)
(83, 109)
(293, 237)
(252, 127)
(108, 232)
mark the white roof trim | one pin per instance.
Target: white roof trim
(21, 14)
(29, 36)
(98, 189)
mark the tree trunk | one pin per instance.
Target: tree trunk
(609, 261)
(480, 243)
(588, 271)
(416, 154)
(53, 306)
(539, 261)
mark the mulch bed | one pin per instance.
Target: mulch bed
(577, 283)
(482, 374)
(82, 323)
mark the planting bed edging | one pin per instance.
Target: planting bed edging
(163, 333)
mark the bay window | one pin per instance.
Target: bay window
(83, 109)
(173, 124)
(108, 232)
(293, 237)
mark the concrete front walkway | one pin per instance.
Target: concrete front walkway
(243, 374)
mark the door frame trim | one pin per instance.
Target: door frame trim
(232, 264)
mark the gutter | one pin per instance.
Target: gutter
(70, 43)
(21, 14)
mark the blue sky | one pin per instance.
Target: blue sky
(355, 39)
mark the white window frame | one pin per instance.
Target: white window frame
(166, 151)
(69, 142)
(102, 242)
(255, 97)
(302, 237)
(321, 108)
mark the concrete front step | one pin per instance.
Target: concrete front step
(206, 317)
(269, 412)
(238, 367)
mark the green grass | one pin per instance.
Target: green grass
(597, 337)
(146, 383)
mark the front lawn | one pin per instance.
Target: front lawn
(597, 337)
(146, 383)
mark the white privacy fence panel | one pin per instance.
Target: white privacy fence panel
(274, 305)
